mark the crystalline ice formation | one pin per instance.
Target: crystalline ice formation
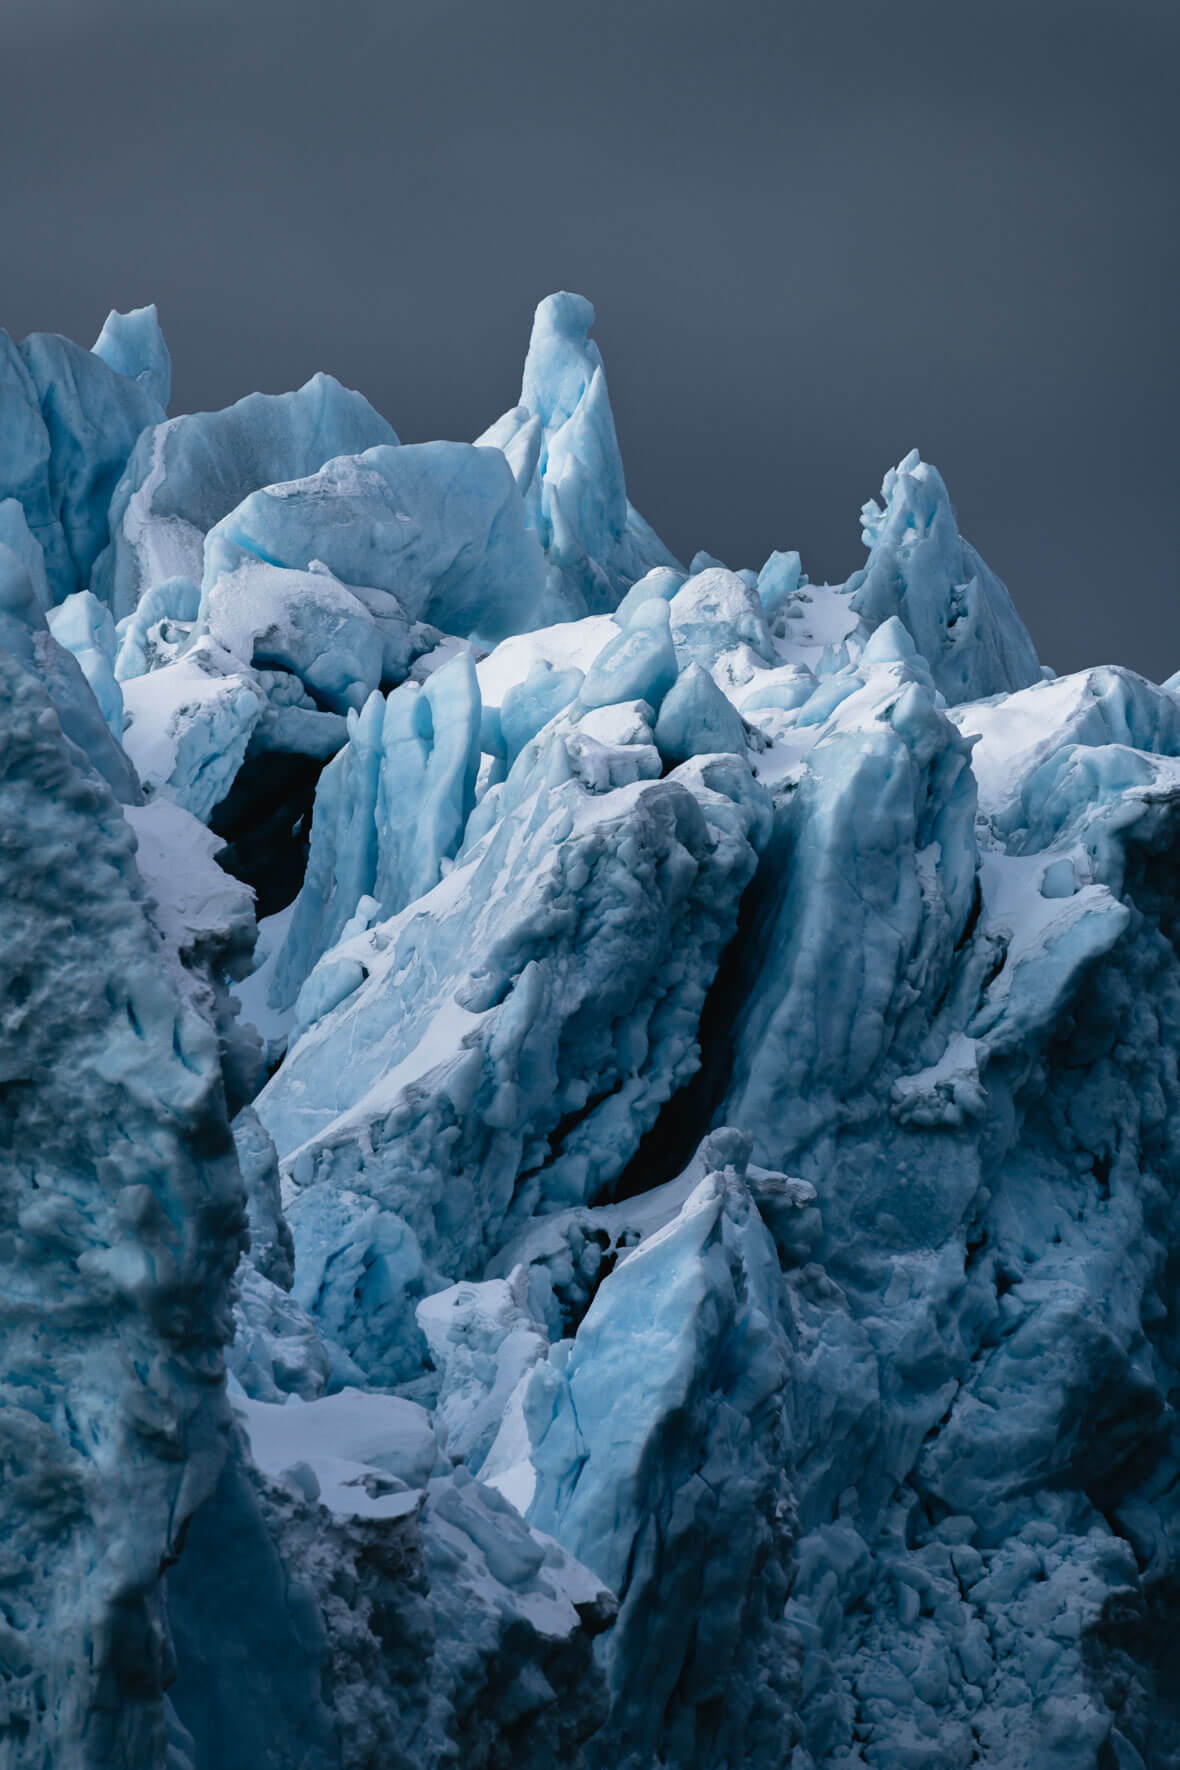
(184, 475)
(500, 1056)
(919, 568)
(133, 345)
(561, 445)
(70, 422)
(588, 1152)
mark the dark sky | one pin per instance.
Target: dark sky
(816, 234)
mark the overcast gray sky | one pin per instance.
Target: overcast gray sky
(816, 234)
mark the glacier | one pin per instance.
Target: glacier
(590, 1146)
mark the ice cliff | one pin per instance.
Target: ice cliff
(590, 1148)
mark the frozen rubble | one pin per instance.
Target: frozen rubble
(589, 1148)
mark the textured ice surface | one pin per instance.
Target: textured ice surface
(186, 474)
(920, 569)
(512, 1034)
(659, 1444)
(122, 1212)
(441, 525)
(25, 636)
(588, 1152)
(133, 345)
(90, 415)
(561, 445)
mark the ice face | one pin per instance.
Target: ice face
(441, 525)
(498, 1061)
(419, 748)
(186, 474)
(658, 1440)
(593, 1147)
(70, 422)
(123, 1211)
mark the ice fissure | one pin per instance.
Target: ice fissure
(589, 1150)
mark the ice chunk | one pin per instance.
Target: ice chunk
(528, 706)
(304, 622)
(778, 580)
(160, 626)
(697, 720)
(885, 816)
(384, 1622)
(359, 1274)
(133, 345)
(272, 1250)
(93, 417)
(83, 625)
(662, 580)
(637, 665)
(570, 645)
(659, 1441)
(483, 1338)
(24, 468)
(441, 525)
(184, 475)
(277, 1348)
(25, 634)
(522, 1024)
(421, 748)
(715, 613)
(189, 724)
(16, 534)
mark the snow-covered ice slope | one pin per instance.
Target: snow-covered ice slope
(589, 1151)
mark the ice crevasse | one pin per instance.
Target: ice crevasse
(589, 1146)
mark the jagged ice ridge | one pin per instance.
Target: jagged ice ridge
(590, 1149)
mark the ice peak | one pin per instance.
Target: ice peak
(562, 358)
(921, 571)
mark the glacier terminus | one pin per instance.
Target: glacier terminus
(589, 1143)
